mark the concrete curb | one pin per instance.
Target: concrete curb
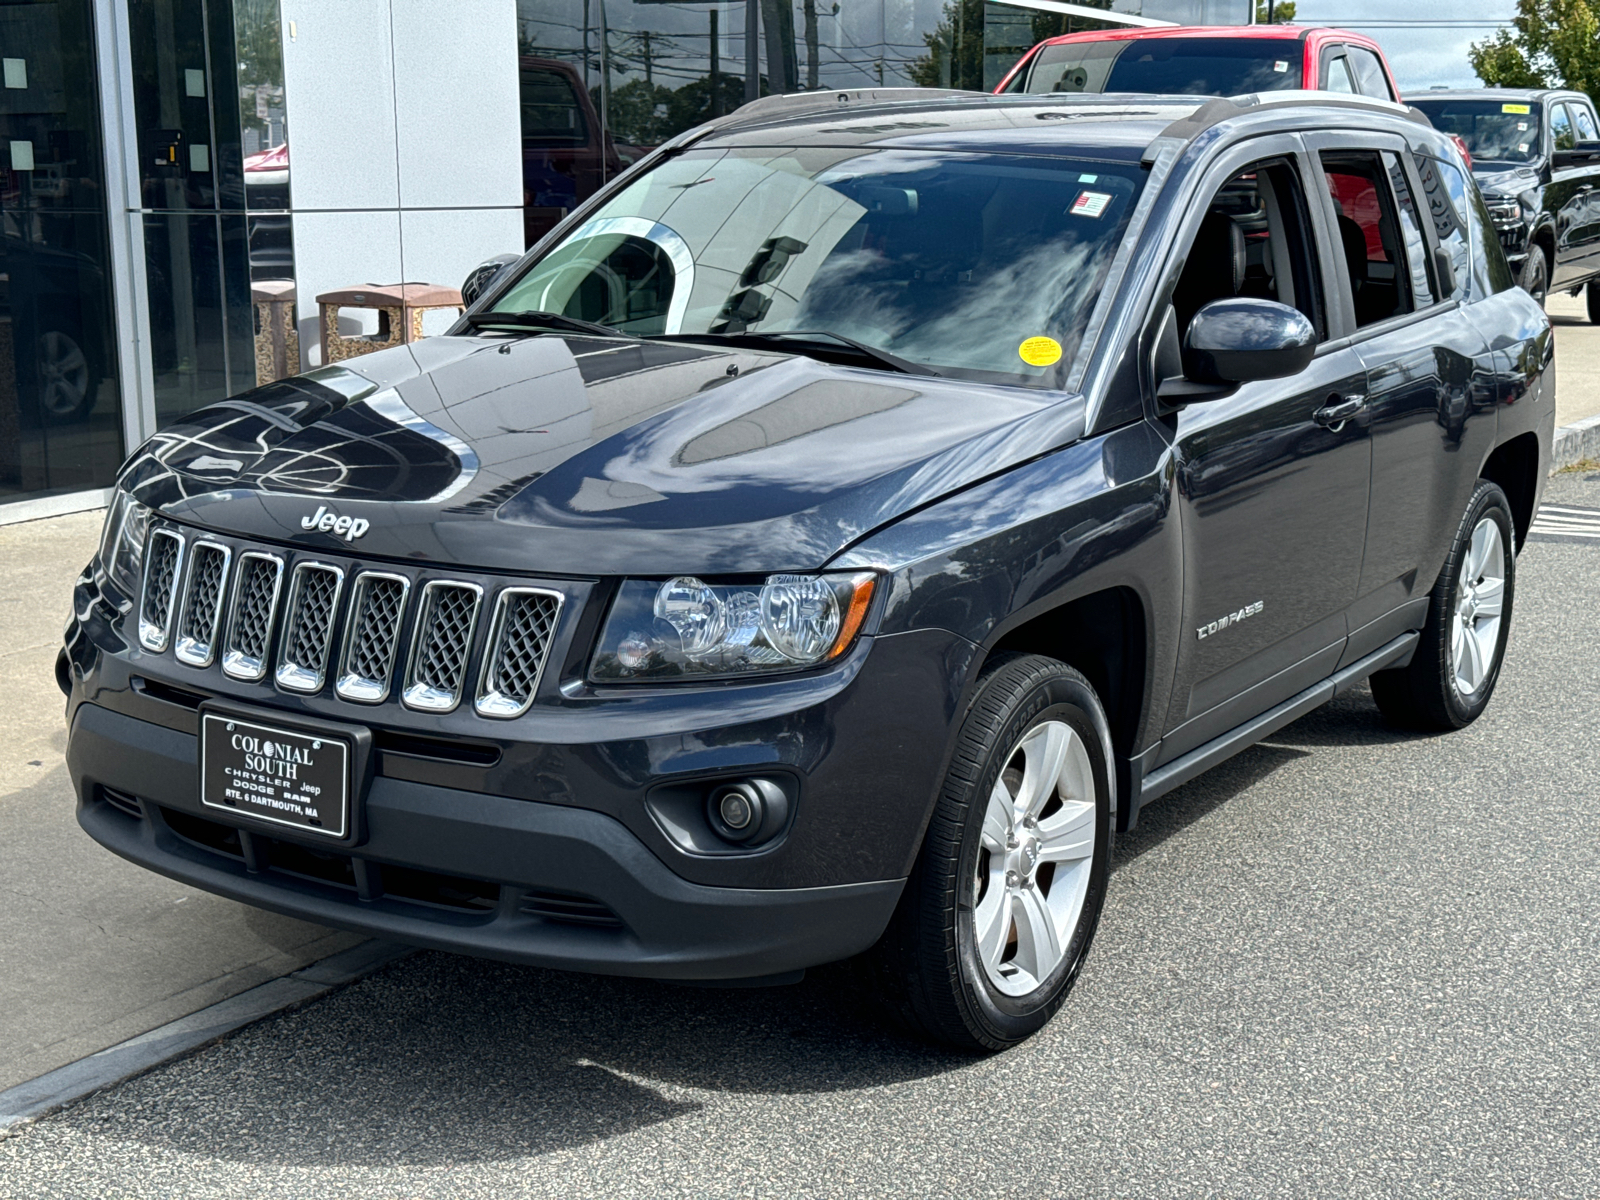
(29, 1101)
(1574, 443)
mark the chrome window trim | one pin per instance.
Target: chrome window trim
(299, 677)
(188, 650)
(234, 664)
(420, 697)
(347, 685)
(152, 637)
(492, 703)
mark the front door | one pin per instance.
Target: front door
(1272, 489)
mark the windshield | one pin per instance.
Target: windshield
(1494, 131)
(982, 265)
(1204, 66)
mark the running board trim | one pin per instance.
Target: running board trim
(1202, 758)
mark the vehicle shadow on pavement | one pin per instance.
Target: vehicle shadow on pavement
(442, 1060)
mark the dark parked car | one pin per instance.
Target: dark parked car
(1536, 156)
(852, 518)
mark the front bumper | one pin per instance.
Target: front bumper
(523, 881)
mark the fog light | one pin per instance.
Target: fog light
(747, 812)
(735, 808)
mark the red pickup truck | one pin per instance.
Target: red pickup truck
(1228, 60)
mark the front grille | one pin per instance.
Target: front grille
(202, 604)
(162, 567)
(377, 603)
(519, 642)
(440, 647)
(255, 601)
(270, 617)
(308, 627)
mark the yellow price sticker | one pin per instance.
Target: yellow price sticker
(1516, 108)
(1040, 351)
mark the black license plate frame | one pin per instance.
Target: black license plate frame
(256, 767)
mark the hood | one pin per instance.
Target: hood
(569, 455)
(1500, 180)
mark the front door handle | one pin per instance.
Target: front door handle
(1338, 410)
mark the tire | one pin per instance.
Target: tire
(1536, 275)
(1457, 662)
(957, 964)
(1591, 298)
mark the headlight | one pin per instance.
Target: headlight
(686, 628)
(1505, 212)
(122, 542)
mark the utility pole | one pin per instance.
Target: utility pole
(715, 80)
(811, 44)
(752, 50)
(646, 35)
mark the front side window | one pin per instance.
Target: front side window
(1369, 235)
(948, 260)
(551, 111)
(1586, 130)
(1561, 128)
(1370, 77)
(1494, 130)
(1169, 66)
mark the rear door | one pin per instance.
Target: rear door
(1567, 198)
(1429, 399)
(1272, 492)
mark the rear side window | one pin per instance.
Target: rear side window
(1336, 75)
(1444, 201)
(1370, 77)
(1561, 128)
(1416, 259)
(1369, 235)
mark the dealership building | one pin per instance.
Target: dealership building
(181, 180)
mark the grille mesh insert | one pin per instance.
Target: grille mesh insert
(376, 610)
(522, 642)
(443, 641)
(252, 616)
(310, 622)
(197, 630)
(165, 550)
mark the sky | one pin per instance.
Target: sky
(1425, 41)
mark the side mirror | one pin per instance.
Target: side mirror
(481, 276)
(1241, 340)
(1581, 153)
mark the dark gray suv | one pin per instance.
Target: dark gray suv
(1536, 156)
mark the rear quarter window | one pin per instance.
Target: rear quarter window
(1491, 272)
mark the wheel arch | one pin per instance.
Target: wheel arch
(1104, 635)
(1514, 466)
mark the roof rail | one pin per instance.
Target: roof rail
(1223, 108)
(794, 104)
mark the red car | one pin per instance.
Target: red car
(1229, 60)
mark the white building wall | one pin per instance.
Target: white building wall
(405, 144)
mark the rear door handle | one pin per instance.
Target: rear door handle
(1338, 410)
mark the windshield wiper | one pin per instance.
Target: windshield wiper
(531, 319)
(796, 338)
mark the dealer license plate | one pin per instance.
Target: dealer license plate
(273, 774)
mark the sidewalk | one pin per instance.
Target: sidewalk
(1577, 359)
(94, 950)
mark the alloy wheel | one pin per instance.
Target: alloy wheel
(1037, 852)
(65, 374)
(1480, 601)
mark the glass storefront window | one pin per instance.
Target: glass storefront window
(60, 419)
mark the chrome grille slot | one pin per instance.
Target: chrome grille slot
(163, 567)
(372, 631)
(441, 645)
(255, 603)
(519, 643)
(202, 604)
(308, 626)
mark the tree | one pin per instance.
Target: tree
(1550, 43)
(1282, 12)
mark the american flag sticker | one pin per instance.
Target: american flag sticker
(1090, 204)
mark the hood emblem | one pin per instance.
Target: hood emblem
(325, 520)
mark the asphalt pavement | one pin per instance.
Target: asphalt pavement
(1350, 962)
